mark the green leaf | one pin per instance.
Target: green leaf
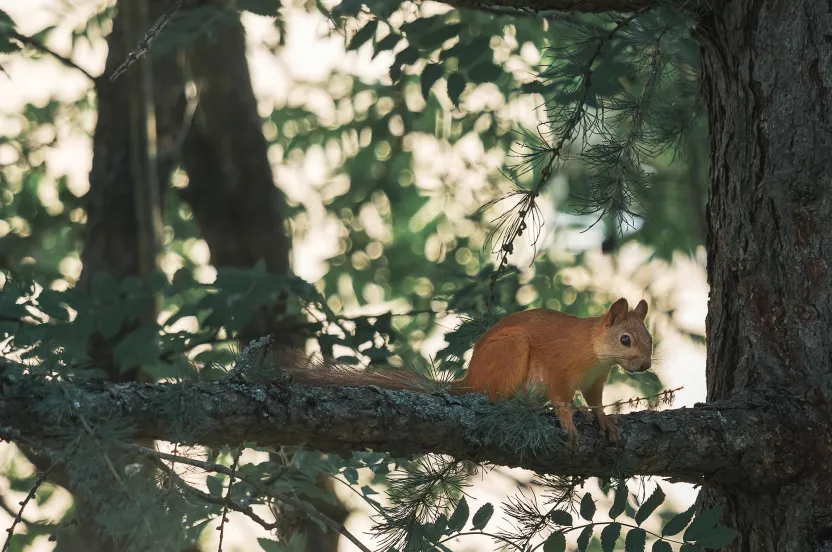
(533, 87)
(405, 57)
(485, 71)
(270, 546)
(420, 26)
(662, 546)
(620, 500)
(467, 53)
(583, 538)
(366, 490)
(215, 486)
(364, 34)
(561, 517)
(678, 522)
(635, 540)
(297, 543)
(104, 287)
(706, 519)
(8, 47)
(432, 73)
(555, 543)
(609, 535)
(139, 347)
(482, 517)
(52, 304)
(109, 319)
(587, 507)
(460, 516)
(650, 505)
(718, 537)
(347, 8)
(456, 85)
(268, 8)
(438, 37)
(183, 279)
(351, 475)
(387, 43)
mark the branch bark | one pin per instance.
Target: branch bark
(585, 6)
(724, 444)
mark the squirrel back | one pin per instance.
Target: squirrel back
(566, 353)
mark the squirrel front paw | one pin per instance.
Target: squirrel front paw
(609, 428)
(572, 436)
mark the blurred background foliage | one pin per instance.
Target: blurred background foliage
(388, 226)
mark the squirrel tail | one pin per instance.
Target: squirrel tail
(312, 369)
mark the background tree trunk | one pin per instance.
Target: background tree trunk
(240, 211)
(767, 75)
(231, 190)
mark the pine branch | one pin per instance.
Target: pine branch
(686, 444)
(18, 518)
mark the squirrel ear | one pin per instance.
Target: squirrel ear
(618, 310)
(641, 309)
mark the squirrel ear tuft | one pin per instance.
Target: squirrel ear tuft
(617, 311)
(641, 309)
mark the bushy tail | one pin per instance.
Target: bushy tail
(312, 369)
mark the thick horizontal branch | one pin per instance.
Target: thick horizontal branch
(722, 444)
(585, 6)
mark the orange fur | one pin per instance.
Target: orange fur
(565, 353)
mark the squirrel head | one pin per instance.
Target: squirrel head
(623, 337)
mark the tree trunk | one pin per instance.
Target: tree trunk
(241, 212)
(231, 186)
(767, 75)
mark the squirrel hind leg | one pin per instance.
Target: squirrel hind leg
(499, 365)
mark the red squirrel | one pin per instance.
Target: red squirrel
(565, 353)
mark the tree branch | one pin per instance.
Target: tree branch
(723, 443)
(585, 6)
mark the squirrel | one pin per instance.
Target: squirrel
(565, 353)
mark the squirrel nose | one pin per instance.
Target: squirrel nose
(646, 365)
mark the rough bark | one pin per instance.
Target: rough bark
(729, 445)
(767, 76)
(585, 6)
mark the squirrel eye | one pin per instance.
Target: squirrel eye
(625, 340)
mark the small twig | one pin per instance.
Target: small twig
(293, 502)
(144, 44)
(37, 45)
(19, 517)
(227, 501)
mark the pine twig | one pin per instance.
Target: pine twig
(237, 453)
(512, 227)
(19, 517)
